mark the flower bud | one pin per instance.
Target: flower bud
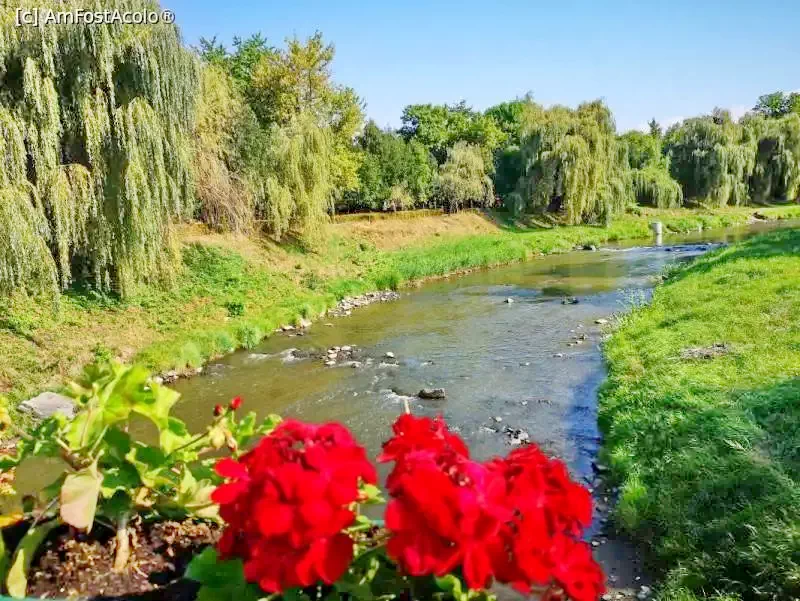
(236, 402)
(218, 410)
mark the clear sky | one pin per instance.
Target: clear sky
(666, 59)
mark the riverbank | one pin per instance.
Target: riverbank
(234, 291)
(702, 423)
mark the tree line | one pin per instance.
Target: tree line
(112, 134)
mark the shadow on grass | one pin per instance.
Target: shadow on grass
(710, 483)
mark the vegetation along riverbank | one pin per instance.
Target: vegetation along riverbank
(701, 422)
(234, 290)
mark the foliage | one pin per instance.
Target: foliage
(711, 158)
(654, 186)
(109, 476)
(705, 449)
(778, 104)
(462, 179)
(776, 173)
(95, 149)
(438, 127)
(294, 527)
(224, 197)
(391, 165)
(291, 177)
(284, 85)
(643, 149)
(573, 163)
(515, 118)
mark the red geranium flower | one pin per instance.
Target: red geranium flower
(287, 501)
(512, 520)
(235, 403)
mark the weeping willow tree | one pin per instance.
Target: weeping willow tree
(712, 159)
(776, 172)
(225, 202)
(95, 154)
(291, 179)
(463, 179)
(654, 186)
(574, 164)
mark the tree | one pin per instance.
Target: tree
(297, 80)
(654, 186)
(515, 118)
(95, 156)
(776, 170)
(390, 164)
(643, 149)
(282, 84)
(463, 179)
(574, 164)
(291, 176)
(654, 128)
(439, 127)
(711, 158)
(223, 120)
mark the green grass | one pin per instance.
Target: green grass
(707, 451)
(229, 295)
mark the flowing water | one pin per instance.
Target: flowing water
(533, 364)
(519, 361)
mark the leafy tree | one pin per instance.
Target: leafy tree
(515, 118)
(463, 179)
(439, 127)
(654, 128)
(643, 149)
(776, 172)
(711, 158)
(290, 169)
(574, 164)
(95, 152)
(654, 186)
(282, 84)
(224, 199)
(778, 104)
(297, 80)
(389, 163)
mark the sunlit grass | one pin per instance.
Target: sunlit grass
(708, 450)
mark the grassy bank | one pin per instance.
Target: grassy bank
(231, 292)
(705, 439)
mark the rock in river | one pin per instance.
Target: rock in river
(431, 393)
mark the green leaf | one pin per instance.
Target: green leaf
(149, 462)
(450, 584)
(157, 404)
(195, 497)
(222, 580)
(117, 445)
(174, 436)
(84, 429)
(117, 506)
(79, 497)
(122, 477)
(371, 494)
(123, 393)
(17, 579)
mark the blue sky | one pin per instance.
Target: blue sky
(665, 59)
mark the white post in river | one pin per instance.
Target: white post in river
(658, 230)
